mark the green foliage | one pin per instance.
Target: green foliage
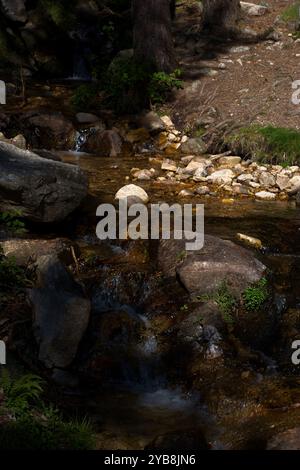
(128, 83)
(266, 144)
(37, 426)
(161, 85)
(11, 221)
(11, 275)
(61, 12)
(34, 433)
(84, 97)
(255, 296)
(291, 13)
(22, 392)
(225, 301)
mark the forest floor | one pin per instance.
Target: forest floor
(227, 81)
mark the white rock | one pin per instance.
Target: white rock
(230, 161)
(132, 191)
(265, 195)
(245, 178)
(169, 165)
(252, 9)
(202, 190)
(193, 166)
(266, 179)
(167, 121)
(200, 174)
(186, 193)
(294, 185)
(282, 181)
(221, 177)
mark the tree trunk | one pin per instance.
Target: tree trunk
(221, 15)
(152, 34)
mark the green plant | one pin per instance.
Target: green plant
(266, 144)
(11, 220)
(256, 295)
(161, 84)
(291, 13)
(84, 97)
(184, 308)
(61, 12)
(20, 393)
(11, 275)
(224, 299)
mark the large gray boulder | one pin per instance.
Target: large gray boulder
(203, 271)
(61, 313)
(43, 190)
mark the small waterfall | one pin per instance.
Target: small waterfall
(80, 69)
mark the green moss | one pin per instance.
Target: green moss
(266, 144)
(256, 295)
(225, 301)
(10, 220)
(61, 12)
(291, 13)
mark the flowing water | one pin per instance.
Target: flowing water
(144, 405)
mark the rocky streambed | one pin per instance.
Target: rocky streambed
(143, 343)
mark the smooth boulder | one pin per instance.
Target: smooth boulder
(203, 271)
(61, 313)
(43, 190)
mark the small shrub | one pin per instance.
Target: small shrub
(11, 221)
(161, 85)
(84, 97)
(226, 302)
(291, 13)
(255, 296)
(11, 275)
(22, 392)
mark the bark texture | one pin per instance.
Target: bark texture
(221, 15)
(152, 34)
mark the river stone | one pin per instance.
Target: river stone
(133, 194)
(287, 440)
(61, 313)
(27, 250)
(86, 118)
(103, 143)
(194, 166)
(43, 190)
(265, 195)
(221, 177)
(294, 185)
(54, 130)
(193, 146)
(230, 161)
(169, 165)
(203, 271)
(266, 179)
(253, 10)
(282, 182)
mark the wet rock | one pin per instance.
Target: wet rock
(19, 141)
(186, 193)
(193, 146)
(152, 122)
(86, 118)
(137, 135)
(133, 194)
(143, 175)
(103, 143)
(250, 241)
(203, 271)
(169, 165)
(25, 251)
(168, 122)
(47, 154)
(54, 130)
(287, 440)
(221, 177)
(61, 313)
(183, 439)
(202, 190)
(43, 190)
(199, 166)
(265, 195)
